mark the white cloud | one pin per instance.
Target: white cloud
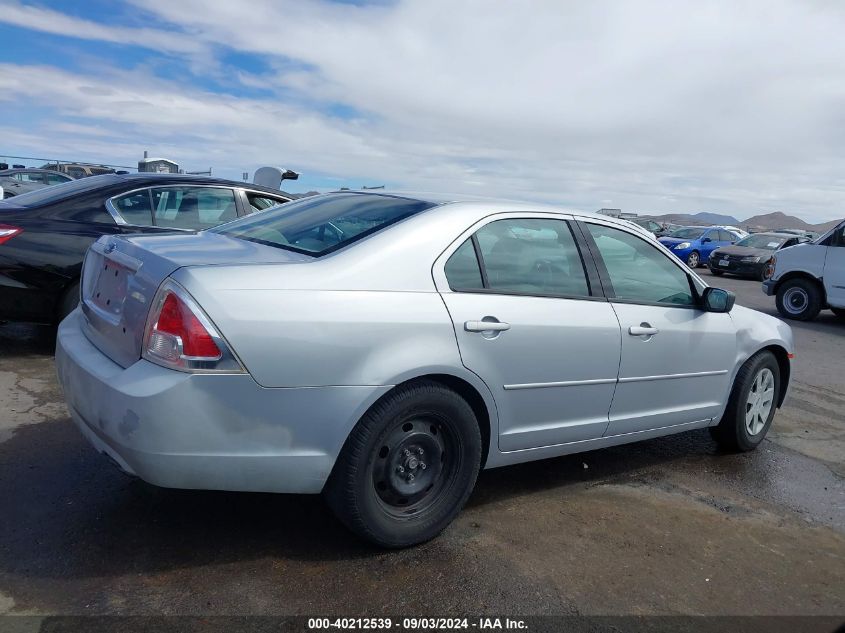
(57, 23)
(658, 106)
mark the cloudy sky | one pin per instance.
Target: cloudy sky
(731, 106)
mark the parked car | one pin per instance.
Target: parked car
(44, 234)
(693, 244)
(381, 349)
(14, 182)
(80, 170)
(752, 255)
(656, 228)
(810, 277)
(736, 230)
(811, 235)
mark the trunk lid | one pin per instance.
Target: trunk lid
(121, 275)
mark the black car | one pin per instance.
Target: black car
(44, 234)
(750, 257)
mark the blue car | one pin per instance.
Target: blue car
(693, 244)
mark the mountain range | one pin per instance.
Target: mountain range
(776, 220)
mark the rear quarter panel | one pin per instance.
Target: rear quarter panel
(321, 337)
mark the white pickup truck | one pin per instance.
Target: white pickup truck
(810, 277)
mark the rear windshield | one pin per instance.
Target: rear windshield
(317, 226)
(63, 190)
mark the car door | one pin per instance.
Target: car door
(709, 243)
(531, 323)
(726, 238)
(676, 358)
(834, 268)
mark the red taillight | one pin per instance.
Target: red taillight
(179, 335)
(8, 232)
(177, 319)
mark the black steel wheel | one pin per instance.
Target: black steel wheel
(408, 466)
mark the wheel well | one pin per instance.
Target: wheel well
(60, 300)
(783, 363)
(473, 399)
(798, 274)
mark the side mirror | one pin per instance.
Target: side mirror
(706, 239)
(718, 300)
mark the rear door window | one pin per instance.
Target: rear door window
(28, 176)
(193, 208)
(527, 256)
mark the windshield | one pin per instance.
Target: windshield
(761, 240)
(687, 232)
(63, 190)
(320, 225)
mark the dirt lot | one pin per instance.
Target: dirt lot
(667, 526)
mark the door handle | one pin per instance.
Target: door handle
(486, 326)
(643, 329)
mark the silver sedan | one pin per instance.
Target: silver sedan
(383, 348)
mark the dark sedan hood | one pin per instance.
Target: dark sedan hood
(744, 251)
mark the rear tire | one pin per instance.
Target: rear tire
(408, 466)
(799, 299)
(751, 406)
(840, 312)
(717, 273)
(70, 299)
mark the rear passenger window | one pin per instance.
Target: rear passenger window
(524, 256)
(193, 208)
(462, 270)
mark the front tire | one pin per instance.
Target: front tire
(408, 467)
(799, 299)
(840, 312)
(693, 259)
(751, 406)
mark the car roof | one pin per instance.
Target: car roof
(143, 178)
(491, 204)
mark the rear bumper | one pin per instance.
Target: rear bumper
(205, 431)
